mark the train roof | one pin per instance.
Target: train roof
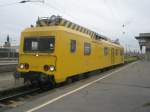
(59, 21)
(53, 28)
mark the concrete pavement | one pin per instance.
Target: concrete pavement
(127, 90)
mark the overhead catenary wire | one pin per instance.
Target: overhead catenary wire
(60, 10)
(8, 4)
(20, 2)
(123, 25)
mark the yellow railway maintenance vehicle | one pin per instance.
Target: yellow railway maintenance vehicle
(57, 49)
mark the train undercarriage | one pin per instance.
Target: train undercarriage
(36, 78)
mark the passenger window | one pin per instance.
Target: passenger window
(106, 51)
(121, 52)
(73, 46)
(116, 52)
(87, 48)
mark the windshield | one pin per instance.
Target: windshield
(40, 44)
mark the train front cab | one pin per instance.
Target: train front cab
(37, 56)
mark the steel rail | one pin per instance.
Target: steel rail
(9, 97)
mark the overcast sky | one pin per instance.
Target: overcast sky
(103, 16)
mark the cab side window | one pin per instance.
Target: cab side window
(121, 52)
(116, 52)
(106, 51)
(72, 46)
(87, 48)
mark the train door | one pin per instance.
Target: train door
(112, 56)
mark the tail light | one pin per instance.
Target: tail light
(46, 67)
(26, 66)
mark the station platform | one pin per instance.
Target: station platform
(7, 66)
(126, 89)
(7, 81)
(8, 63)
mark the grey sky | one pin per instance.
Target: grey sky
(103, 16)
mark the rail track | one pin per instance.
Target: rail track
(8, 97)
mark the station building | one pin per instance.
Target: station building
(8, 51)
(144, 40)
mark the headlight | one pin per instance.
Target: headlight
(21, 66)
(52, 68)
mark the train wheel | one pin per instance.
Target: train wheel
(69, 80)
(81, 77)
(86, 75)
(34, 83)
(75, 78)
(51, 82)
